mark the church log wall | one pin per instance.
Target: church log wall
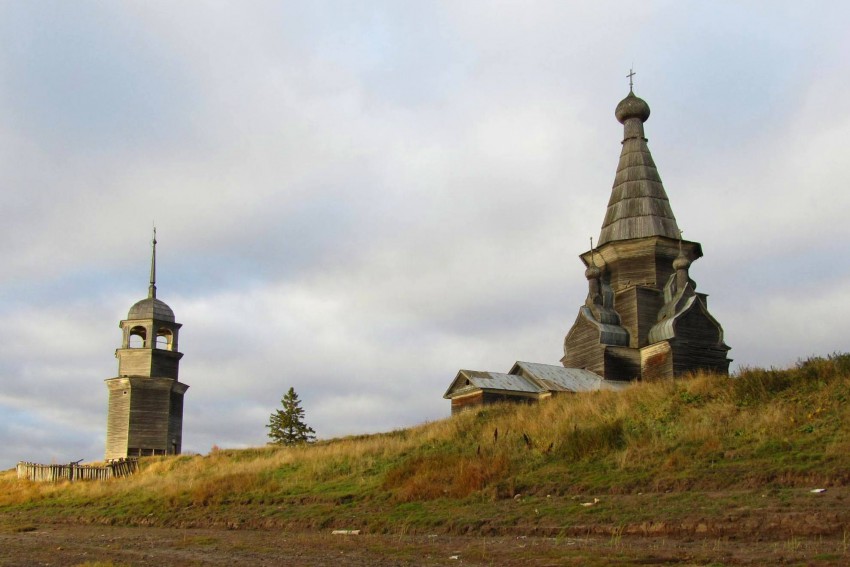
(638, 309)
(633, 270)
(622, 363)
(656, 361)
(694, 327)
(583, 349)
(698, 341)
(688, 358)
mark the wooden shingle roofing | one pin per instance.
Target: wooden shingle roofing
(638, 206)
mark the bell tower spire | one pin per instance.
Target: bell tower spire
(152, 286)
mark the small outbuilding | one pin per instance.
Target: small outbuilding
(525, 382)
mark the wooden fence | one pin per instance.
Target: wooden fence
(76, 471)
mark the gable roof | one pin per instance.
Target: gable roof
(531, 378)
(469, 380)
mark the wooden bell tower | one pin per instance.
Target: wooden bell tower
(145, 415)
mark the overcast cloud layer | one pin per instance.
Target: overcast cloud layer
(358, 199)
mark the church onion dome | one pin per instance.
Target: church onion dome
(151, 308)
(632, 107)
(681, 262)
(592, 272)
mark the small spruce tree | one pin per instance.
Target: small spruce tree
(286, 426)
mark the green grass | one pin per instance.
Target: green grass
(657, 452)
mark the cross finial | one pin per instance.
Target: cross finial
(631, 82)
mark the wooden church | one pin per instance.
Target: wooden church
(145, 415)
(642, 318)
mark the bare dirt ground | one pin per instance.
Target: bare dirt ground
(80, 545)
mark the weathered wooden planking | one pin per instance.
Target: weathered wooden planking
(582, 348)
(147, 420)
(622, 364)
(148, 362)
(638, 207)
(74, 471)
(638, 308)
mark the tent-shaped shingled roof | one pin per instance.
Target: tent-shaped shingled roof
(638, 206)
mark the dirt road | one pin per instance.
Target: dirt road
(78, 545)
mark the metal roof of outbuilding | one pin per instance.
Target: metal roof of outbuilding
(533, 378)
(469, 380)
(558, 378)
(499, 381)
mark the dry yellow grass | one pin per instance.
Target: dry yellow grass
(779, 427)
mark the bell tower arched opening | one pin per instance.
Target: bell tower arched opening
(137, 337)
(164, 339)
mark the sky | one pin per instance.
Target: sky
(357, 199)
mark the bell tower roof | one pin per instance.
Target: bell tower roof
(638, 206)
(151, 308)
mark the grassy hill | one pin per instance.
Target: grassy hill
(703, 454)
